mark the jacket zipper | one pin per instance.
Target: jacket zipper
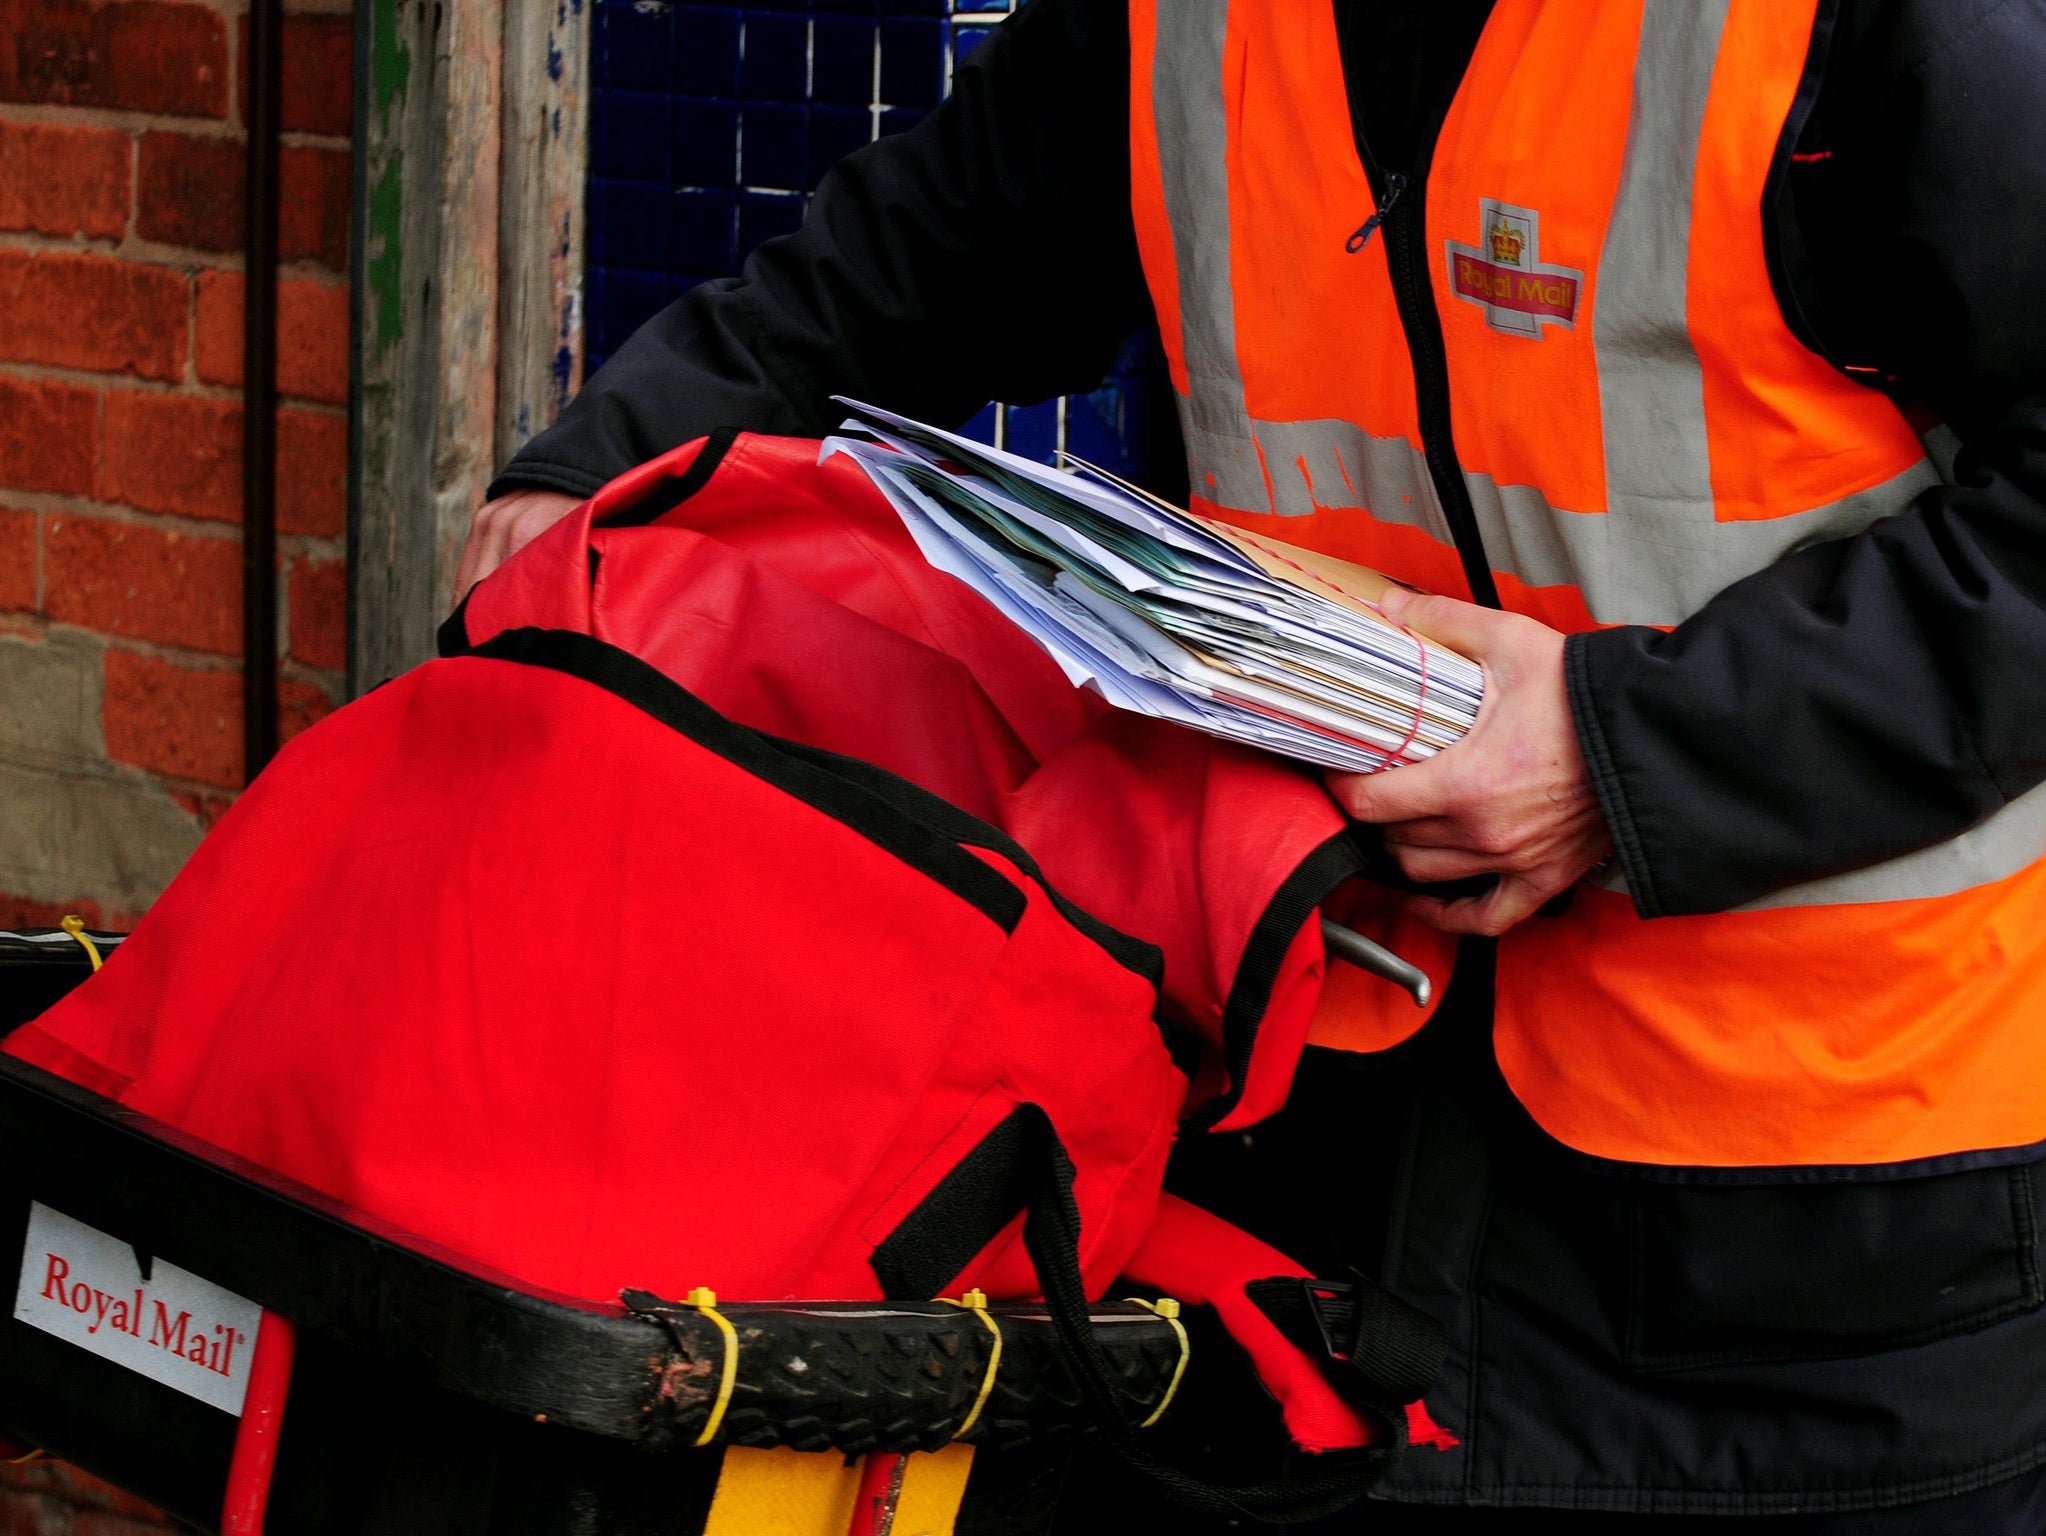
(1402, 213)
(1395, 184)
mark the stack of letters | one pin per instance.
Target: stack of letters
(1170, 614)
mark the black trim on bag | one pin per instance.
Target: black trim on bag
(1133, 954)
(452, 638)
(961, 826)
(1250, 994)
(1128, 951)
(1383, 1351)
(1333, 1480)
(664, 496)
(1022, 1166)
(888, 816)
(985, 1191)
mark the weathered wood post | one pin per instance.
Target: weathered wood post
(468, 276)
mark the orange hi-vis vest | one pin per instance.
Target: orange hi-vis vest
(1637, 427)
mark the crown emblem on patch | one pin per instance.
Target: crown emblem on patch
(1507, 244)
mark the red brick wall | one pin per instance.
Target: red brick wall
(120, 471)
(120, 429)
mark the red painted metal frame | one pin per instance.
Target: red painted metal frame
(880, 1492)
(255, 1440)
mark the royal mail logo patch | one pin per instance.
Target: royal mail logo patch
(1505, 275)
(94, 1291)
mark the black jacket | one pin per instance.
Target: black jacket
(1858, 700)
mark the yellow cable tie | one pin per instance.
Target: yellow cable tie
(75, 926)
(975, 1301)
(22, 1461)
(705, 1300)
(1168, 1309)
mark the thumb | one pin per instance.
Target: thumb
(1463, 627)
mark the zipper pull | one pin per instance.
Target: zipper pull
(1395, 184)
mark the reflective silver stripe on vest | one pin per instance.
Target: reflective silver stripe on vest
(1651, 389)
(1630, 570)
(1193, 141)
(1308, 465)
(1661, 571)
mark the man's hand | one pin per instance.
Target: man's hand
(503, 528)
(1512, 798)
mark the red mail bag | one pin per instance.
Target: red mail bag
(845, 1026)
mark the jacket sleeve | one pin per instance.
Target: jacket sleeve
(1875, 695)
(987, 253)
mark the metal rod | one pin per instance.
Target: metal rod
(261, 117)
(1348, 945)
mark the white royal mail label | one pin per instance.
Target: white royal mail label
(88, 1289)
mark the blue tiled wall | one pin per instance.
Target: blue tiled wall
(710, 125)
